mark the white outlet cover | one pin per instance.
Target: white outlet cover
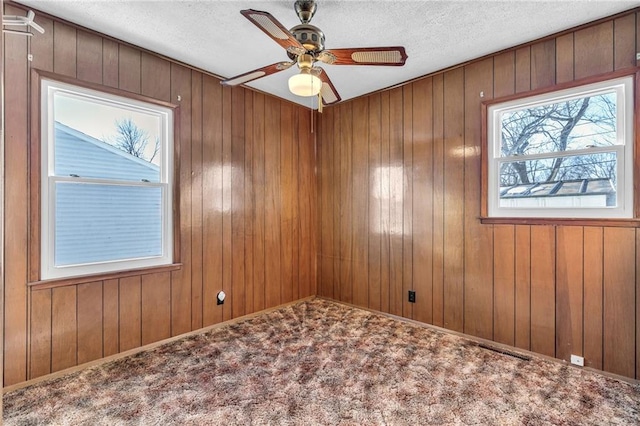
(221, 296)
(577, 360)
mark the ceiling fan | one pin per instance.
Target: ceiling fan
(304, 44)
(22, 21)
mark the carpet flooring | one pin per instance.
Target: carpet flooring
(322, 363)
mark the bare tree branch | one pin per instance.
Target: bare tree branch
(132, 139)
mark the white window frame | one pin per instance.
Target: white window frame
(48, 89)
(624, 149)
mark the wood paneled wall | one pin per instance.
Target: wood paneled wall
(399, 198)
(247, 209)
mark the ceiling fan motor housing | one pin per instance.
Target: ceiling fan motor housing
(312, 38)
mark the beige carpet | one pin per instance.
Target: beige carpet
(322, 363)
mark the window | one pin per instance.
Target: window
(563, 154)
(106, 182)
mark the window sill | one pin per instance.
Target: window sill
(619, 223)
(61, 282)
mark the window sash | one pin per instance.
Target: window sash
(55, 190)
(48, 184)
(624, 147)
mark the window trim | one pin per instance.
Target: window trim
(583, 221)
(37, 175)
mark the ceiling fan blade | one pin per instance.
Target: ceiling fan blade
(274, 29)
(36, 27)
(328, 90)
(257, 73)
(394, 56)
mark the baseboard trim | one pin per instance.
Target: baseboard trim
(147, 347)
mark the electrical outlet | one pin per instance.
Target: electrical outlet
(577, 360)
(221, 297)
(412, 296)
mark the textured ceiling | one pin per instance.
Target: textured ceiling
(214, 36)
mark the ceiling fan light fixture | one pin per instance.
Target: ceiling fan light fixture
(305, 84)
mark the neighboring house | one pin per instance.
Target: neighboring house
(88, 229)
(598, 192)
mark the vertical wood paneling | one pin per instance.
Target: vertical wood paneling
(300, 187)
(129, 68)
(155, 77)
(90, 321)
(64, 49)
(64, 328)
(396, 201)
(129, 319)
(523, 287)
(564, 58)
(306, 271)
(360, 224)
(181, 284)
(238, 300)
(89, 62)
(249, 203)
(478, 240)
(523, 69)
(422, 211)
(438, 200)
(543, 269)
(212, 200)
(259, 189)
(273, 289)
(346, 203)
(326, 202)
(593, 52)
(287, 201)
(504, 74)
(375, 203)
(619, 301)
(624, 42)
(15, 208)
(42, 47)
(311, 148)
(40, 333)
(385, 196)
(197, 229)
(504, 284)
(569, 292)
(593, 292)
(336, 199)
(407, 199)
(454, 200)
(110, 317)
(155, 300)
(543, 64)
(110, 63)
(225, 208)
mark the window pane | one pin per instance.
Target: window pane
(571, 181)
(561, 126)
(102, 139)
(101, 223)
